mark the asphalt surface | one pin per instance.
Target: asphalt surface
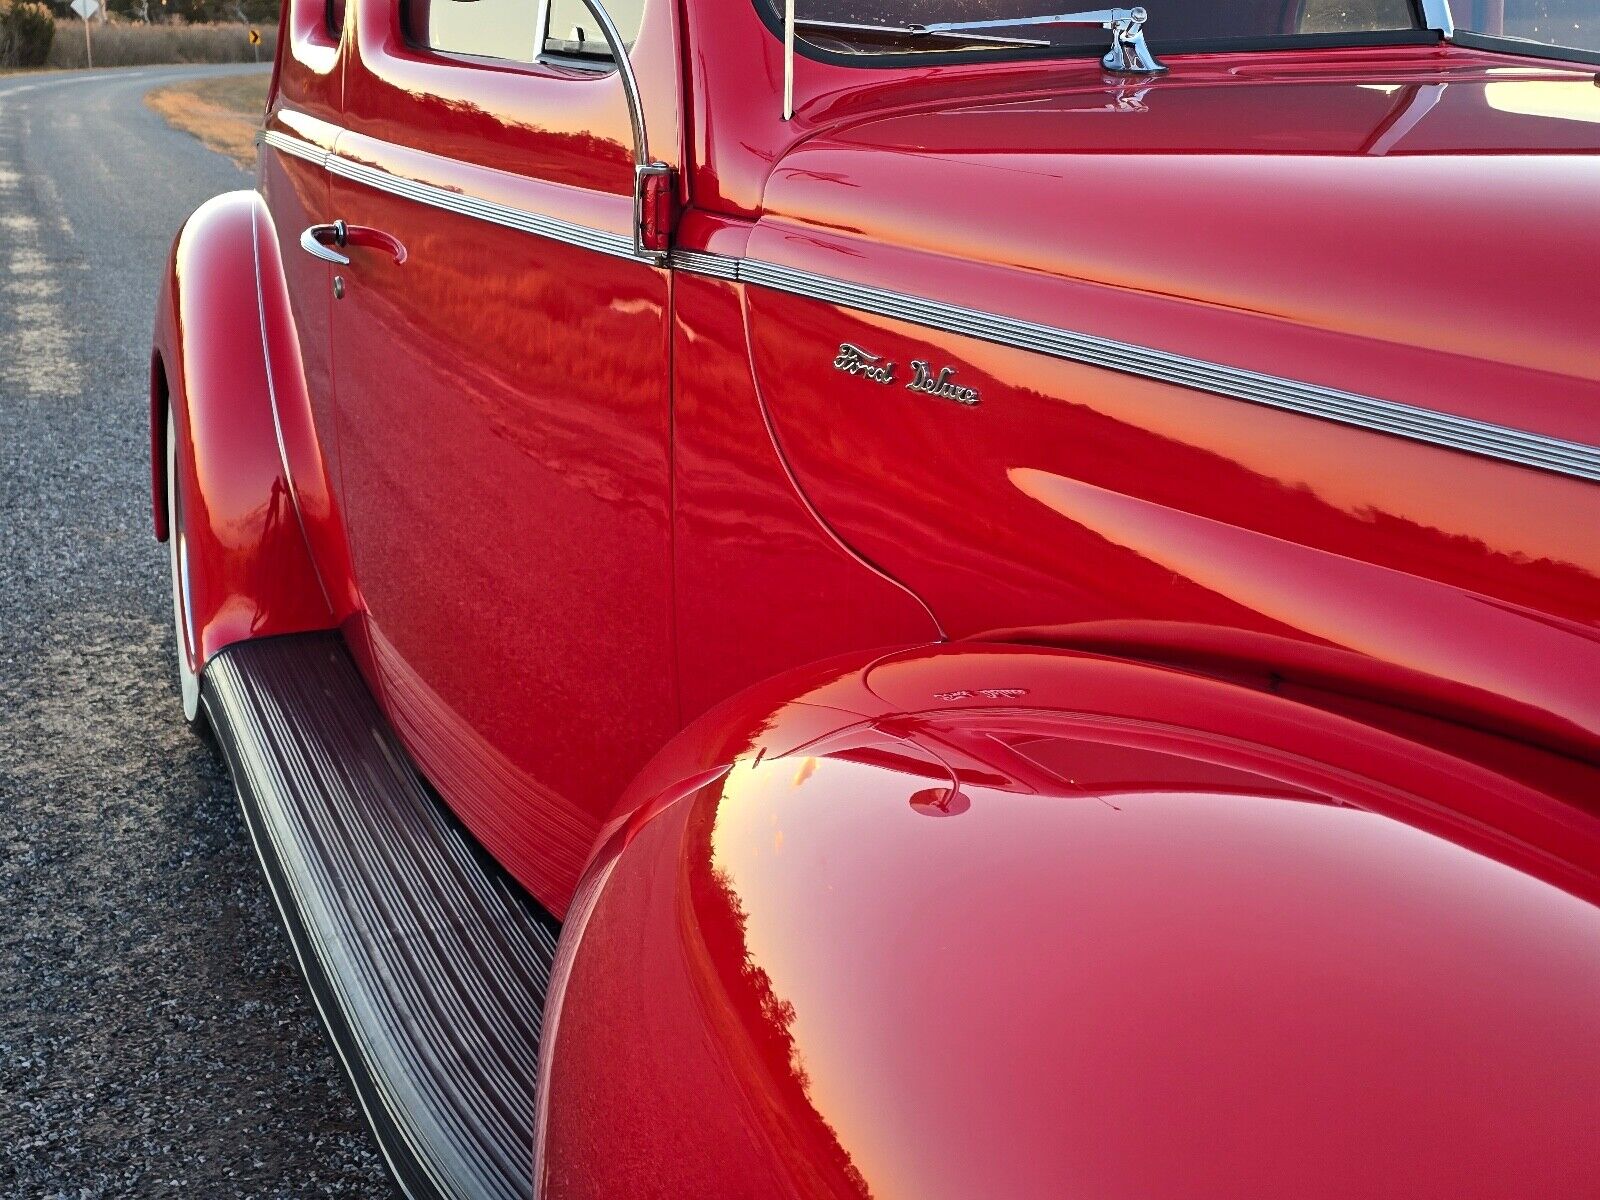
(155, 1035)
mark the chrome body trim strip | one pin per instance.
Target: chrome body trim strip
(1426, 425)
(292, 146)
(699, 262)
(1429, 426)
(618, 245)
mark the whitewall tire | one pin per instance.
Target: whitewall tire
(178, 553)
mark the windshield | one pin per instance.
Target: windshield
(1171, 23)
(1570, 23)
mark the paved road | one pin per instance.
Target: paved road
(155, 1039)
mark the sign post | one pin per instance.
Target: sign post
(86, 9)
(255, 43)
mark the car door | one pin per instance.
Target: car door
(300, 127)
(501, 364)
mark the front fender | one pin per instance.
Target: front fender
(1002, 921)
(249, 570)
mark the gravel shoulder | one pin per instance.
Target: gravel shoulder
(155, 1036)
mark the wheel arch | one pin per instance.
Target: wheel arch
(160, 402)
(252, 572)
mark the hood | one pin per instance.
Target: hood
(1442, 198)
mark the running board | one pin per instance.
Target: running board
(429, 965)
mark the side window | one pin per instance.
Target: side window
(518, 30)
(1354, 16)
(1573, 24)
(333, 14)
(571, 29)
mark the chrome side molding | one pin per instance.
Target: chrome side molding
(584, 237)
(292, 146)
(1504, 443)
(652, 180)
(651, 177)
(1428, 426)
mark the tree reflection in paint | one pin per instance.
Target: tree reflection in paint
(755, 1023)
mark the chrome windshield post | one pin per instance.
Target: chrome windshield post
(788, 59)
(1436, 15)
(649, 175)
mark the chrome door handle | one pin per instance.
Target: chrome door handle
(314, 241)
(375, 239)
(315, 238)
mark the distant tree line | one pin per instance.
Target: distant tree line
(26, 34)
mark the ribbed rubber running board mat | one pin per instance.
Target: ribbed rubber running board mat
(429, 965)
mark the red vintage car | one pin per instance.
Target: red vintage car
(916, 600)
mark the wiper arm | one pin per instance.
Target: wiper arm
(909, 31)
(1128, 53)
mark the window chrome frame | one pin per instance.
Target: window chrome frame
(541, 24)
(644, 166)
(1435, 14)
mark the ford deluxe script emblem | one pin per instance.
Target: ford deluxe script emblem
(853, 360)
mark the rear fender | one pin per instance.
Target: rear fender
(250, 572)
(940, 923)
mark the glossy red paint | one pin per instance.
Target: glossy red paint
(557, 427)
(1248, 845)
(1003, 921)
(250, 573)
(305, 103)
(748, 547)
(1081, 495)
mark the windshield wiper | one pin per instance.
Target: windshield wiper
(1128, 54)
(910, 31)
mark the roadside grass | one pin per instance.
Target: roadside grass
(223, 113)
(125, 44)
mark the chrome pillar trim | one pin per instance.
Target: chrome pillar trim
(599, 240)
(630, 81)
(643, 165)
(1429, 426)
(788, 59)
(292, 146)
(1436, 15)
(642, 175)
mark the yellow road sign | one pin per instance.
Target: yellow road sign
(255, 37)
